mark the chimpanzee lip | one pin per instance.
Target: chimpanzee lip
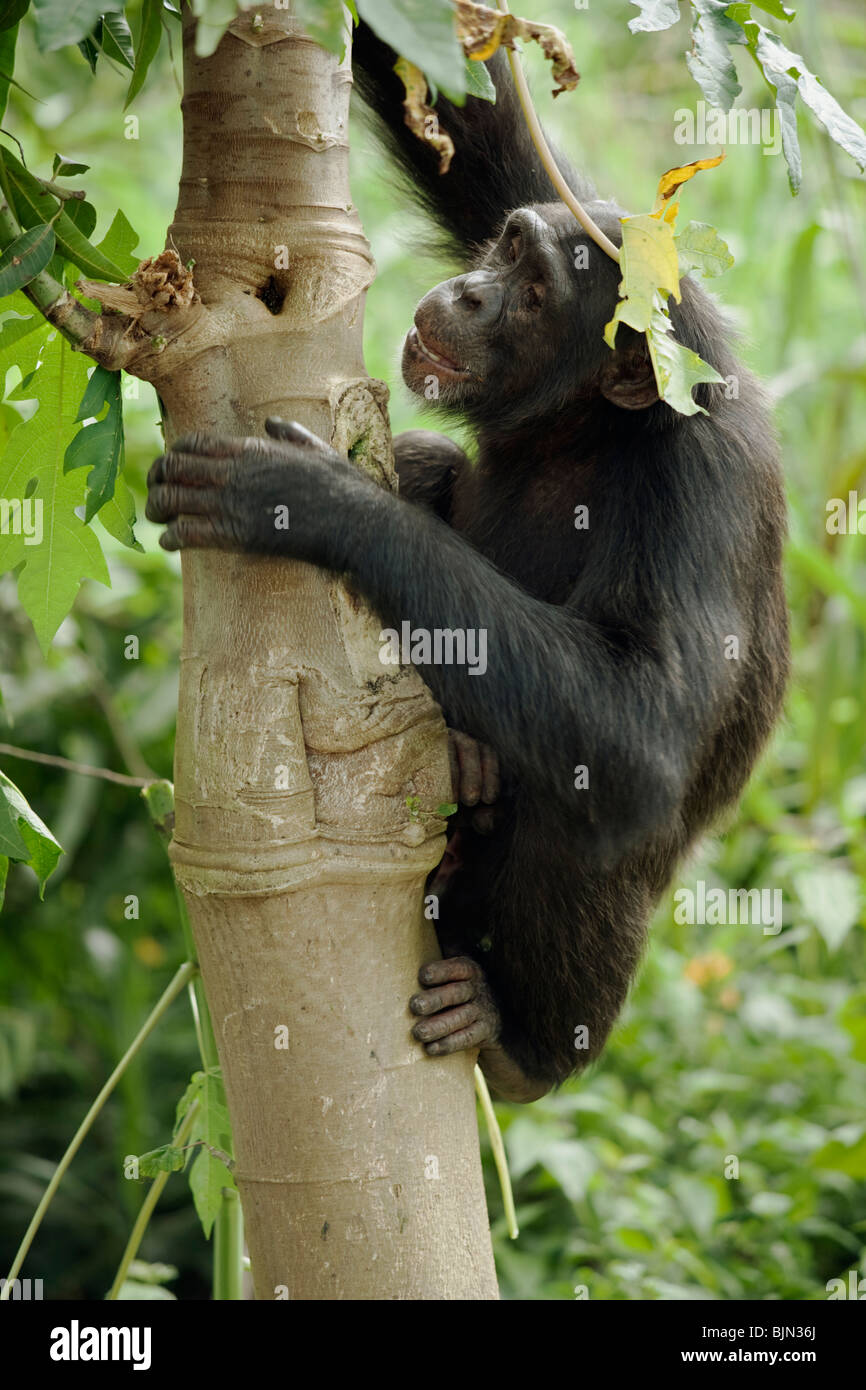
(433, 355)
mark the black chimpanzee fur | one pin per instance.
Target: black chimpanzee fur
(607, 648)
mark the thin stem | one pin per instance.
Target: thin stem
(228, 1255)
(546, 156)
(136, 1235)
(67, 765)
(499, 1157)
(178, 984)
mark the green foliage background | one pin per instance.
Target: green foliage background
(735, 1044)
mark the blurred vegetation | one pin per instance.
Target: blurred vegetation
(735, 1044)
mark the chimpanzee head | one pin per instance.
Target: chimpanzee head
(522, 333)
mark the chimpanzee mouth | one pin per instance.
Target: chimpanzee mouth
(438, 359)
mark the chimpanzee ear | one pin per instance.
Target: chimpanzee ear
(628, 379)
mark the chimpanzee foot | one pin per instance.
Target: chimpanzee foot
(456, 1007)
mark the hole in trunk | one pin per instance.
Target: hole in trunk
(271, 294)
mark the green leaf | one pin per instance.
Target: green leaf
(67, 551)
(423, 31)
(830, 896)
(90, 51)
(12, 842)
(133, 1290)
(776, 9)
(59, 23)
(149, 38)
(654, 15)
(31, 204)
(152, 1273)
(479, 83)
(26, 321)
(99, 446)
(102, 388)
(710, 62)
(24, 837)
(324, 21)
(214, 17)
(787, 74)
(8, 40)
(119, 243)
(190, 1095)
(25, 257)
(118, 516)
(63, 168)
(116, 40)
(11, 11)
(209, 1175)
(677, 369)
(700, 248)
(165, 1159)
(648, 261)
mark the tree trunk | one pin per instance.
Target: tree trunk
(357, 1155)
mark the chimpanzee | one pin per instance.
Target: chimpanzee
(623, 560)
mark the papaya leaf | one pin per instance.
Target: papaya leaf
(64, 551)
(700, 248)
(24, 837)
(424, 32)
(654, 16)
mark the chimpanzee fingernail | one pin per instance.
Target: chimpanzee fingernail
(289, 429)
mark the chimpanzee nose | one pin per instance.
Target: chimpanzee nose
(479, 290)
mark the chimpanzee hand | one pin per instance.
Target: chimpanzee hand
(457, 994)
(276, 496)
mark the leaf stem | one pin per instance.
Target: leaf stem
(499, 1156)
(67, 765)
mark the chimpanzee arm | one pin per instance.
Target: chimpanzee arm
(495, 167)
(630, 699)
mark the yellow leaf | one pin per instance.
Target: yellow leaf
(675, 178)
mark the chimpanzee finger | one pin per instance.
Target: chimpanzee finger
(191, 470)
(206, 445)
(432, 1000)
(195, 533)
(166, 501)
(292, 432)
(451, 1021)
(489, 774)
(465, 1038)
(441, 972)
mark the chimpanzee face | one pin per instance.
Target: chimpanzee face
(525, 328)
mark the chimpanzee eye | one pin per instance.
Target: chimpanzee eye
(533, 296)
(514, 248)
